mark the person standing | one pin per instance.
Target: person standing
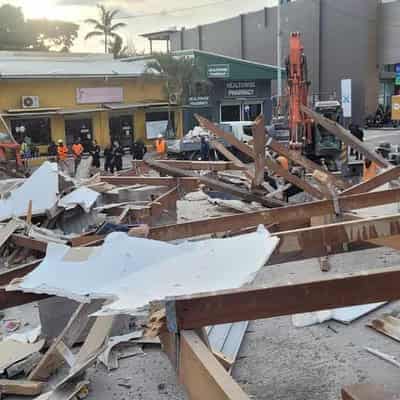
(118, 153)
(204, 149)
(108, 159)
(62, 154)
(370, 170)
(138, 150)
(77, 150)
(52, 150)
(161, 145)
(95, 153)
(359, 133)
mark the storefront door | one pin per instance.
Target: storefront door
(121, 130)
(241, 111)
(79, 129)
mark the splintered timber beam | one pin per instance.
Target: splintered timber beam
(214, 184)
(193, 312)
(379, 180)
(344, 135)
(322, 240)
(297, 158)
(259, 142)
(270, 164)
(273, 216)
(201, 373)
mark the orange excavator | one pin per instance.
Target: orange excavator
(311, 139)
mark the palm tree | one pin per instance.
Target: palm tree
(182, 77)
(104, 26)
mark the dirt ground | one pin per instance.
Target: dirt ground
(276, 360)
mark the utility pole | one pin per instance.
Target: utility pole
(279, 56)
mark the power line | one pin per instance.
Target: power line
(174, 10)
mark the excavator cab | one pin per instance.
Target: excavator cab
(325, 143)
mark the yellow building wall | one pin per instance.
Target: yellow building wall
(61, 93)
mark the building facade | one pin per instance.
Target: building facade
(356, 39)
(52, 97)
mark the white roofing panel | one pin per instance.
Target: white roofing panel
(22, 67)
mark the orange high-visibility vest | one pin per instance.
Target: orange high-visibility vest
(160, 146)
(77, 150)
(62, 152)
(370, 172)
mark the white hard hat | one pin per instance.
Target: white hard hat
(160, 136)
(59, 141)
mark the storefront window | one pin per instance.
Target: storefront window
(160, 123)
(230, 113)
(79, 129)
(121, 130)
(251, 111)
(38, 129)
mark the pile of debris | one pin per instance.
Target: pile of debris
(108, 261)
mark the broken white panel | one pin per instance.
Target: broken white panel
(41, 187)
(345, 315)
(84, 197)
(29, 336)
(134, 271)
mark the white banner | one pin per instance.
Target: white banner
(346, 98)
(99, 95)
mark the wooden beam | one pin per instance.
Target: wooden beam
(259, 142)
(187, 184)
(29, 243)
(202, 375)
(199, 165)
(317, 241)
(269, 163)
(165, 202)
(20, 387)
(344, 135)
(192, 312)
(379, 180)
(273, 216)
(214, 184)
(14, 298)
(366, 391)
(297, 158)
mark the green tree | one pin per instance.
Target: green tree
(16, 33)
(105, 26)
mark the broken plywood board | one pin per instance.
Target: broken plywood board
(388, 325)
(12, 351)
(135, 270)
(41, 187)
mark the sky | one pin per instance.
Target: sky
(148, 15)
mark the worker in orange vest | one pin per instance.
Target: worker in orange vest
(77, 150)
(283, 162)
(161, 145)
(370, 170)
(62, 154)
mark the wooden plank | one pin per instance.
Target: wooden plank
(379, 180)
(29, 243)
(16, 298)
(189, 184)
(20, 387)
(273, 216)
(297, 158)
(269, 163)
(317, 240)
(200, 165)
(202, 375)
(52, 360)
(259, 142)
(165, 203)
(215, 184)
(192, 312)
(7, 230)
(344, 135)
(367, 391)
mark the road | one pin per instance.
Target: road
(373, 137)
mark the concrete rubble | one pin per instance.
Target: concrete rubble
(96, 269)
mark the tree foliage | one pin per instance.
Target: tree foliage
(181, 73)
(16, 33)
(106, 28)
